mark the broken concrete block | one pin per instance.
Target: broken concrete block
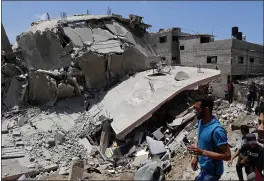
(111, 171)
(16, 133)
(105, 135)
(46, 154)
(155, 147)
(65, 91)
(86, 144)
(20, 143)
(93, 68)
(116, 62)
(42, 88)
(59, 136)
(152, 171)
(13, 96)
(50, 167)
(64, 171)
(100, 35)
(158, 135)
(77, 169)
(21, 121)
(43, 50)
(141, 157)
(31, 165)
(4, 129)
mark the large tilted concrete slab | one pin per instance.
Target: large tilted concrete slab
(133, 101)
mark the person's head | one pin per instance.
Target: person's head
(244, 130)
(251, 140)
(204, 107)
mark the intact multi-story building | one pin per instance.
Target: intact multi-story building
(234, 57)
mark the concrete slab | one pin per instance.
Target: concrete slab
(135, 96)
(101, 35)
(75, 38)
(86, 145)
(116, 28)
(85, 34)
(110, 46)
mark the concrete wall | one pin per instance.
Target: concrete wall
(163, 49)
(247, 50)
(186, 55)
(169, 49)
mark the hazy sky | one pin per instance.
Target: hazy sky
(192, 17)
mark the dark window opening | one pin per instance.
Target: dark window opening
(182, 47)
(240, 60)
(163, 58)
(212, 59)
(251, 60)
(175, 38)
(173, 58)
(163, 39)
(205, 40)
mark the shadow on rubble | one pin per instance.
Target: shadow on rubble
(83, 103)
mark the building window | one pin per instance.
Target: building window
(182, 47)
(163, 58)
(212, 59)
(240, 60)
(175, 38)
(163, 39)
(173, 58)
(204, 39)
(251, 60)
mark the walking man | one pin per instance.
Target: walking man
(212, 147)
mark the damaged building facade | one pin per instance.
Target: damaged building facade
(63, 57)
(232, 56)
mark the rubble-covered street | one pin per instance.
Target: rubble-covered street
(88, 97)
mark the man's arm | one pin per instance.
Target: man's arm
(220, 140)
(235, 155)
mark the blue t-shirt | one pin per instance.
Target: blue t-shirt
(205, 143)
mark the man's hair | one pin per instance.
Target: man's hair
(244, 128)
(206, 101)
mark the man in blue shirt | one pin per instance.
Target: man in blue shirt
(212, 147)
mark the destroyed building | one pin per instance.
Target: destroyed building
(65, 56)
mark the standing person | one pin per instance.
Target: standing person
(253, 92)
(212, 147)
(242, 156)
(230, 89)
(249, 101)
(260, 107)
(254, 153)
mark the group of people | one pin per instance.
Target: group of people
(213, 148)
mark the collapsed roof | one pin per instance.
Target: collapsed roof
(134, 101)
(78, 52)
(51, 44)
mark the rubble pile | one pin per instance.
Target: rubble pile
(231, 116)
(61, 58)
(258, 80)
